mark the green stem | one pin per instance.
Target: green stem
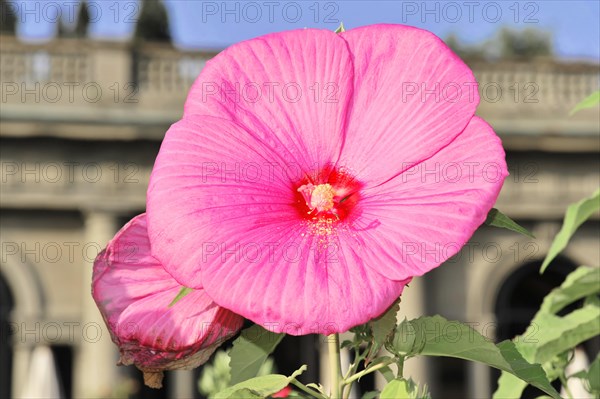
(359, 357)
(335, 367)
(400, 363)
(564, 383)
(367, 371)
(307, 390)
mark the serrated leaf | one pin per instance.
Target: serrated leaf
(383, 328)
(589, 102)
(396, 389)
(254, 388)
(580, 283)
(250, 350)
(441, 337)
(577, 213)
(498, 219)
(594, 376)
(259, 387)
(182, 292)
(340, 28)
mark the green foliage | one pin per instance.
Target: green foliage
(589, 102)
(153, 22)
(382, 328)
(593, 377)
(436, 336)
(524, 44)
(182, 292)
(371, 395)
(83, 20)
(550, 337)
(66, 29)
(403, 389)
(250, 351)
(7, 18)
(498, 219)
(259, 387)
(216, 377)
(576, 214)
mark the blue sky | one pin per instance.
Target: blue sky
(195, 24)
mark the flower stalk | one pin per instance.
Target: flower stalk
(371, 369)
(306, 389)
(335, 367)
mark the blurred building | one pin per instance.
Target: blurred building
(81, 124)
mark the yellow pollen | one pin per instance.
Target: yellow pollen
(321, 198)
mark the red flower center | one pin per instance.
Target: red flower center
(328, 195)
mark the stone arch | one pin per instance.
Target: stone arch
(28, 300)
(6, 306)
(483, 290)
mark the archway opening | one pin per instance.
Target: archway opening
(518, 300)
(6, 353)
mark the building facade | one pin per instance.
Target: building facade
(81, 124)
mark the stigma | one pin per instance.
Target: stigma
(318, 198)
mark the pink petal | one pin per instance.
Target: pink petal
(390, 129)
(133, 293)
(290, 279)
(212, 177)
(289, 89)
(284, 393)
(243, 240)
(421, 218)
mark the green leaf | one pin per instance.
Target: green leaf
(387, 373)
(404, 389)
(549, 336)
(589, 102)
(249, 352)
(396, 389)
(259, 387)
(498, 219)
(340, 28)
(594, 376)
(509, 386)
(183, 292)
(440, 337)
(383, 328)
(580, 283)
(371, 395)
(576, 214)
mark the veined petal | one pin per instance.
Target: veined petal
(240, 236)
(297, 278)
(424, 216)
(290, 89)
(412, 97)
(133, 293)
(212, 176)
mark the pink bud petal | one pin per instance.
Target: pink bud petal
(133, 292)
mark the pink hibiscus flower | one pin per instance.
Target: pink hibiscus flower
(314, 174)
(133, 293)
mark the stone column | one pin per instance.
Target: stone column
(183, 385)
(95, 371)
